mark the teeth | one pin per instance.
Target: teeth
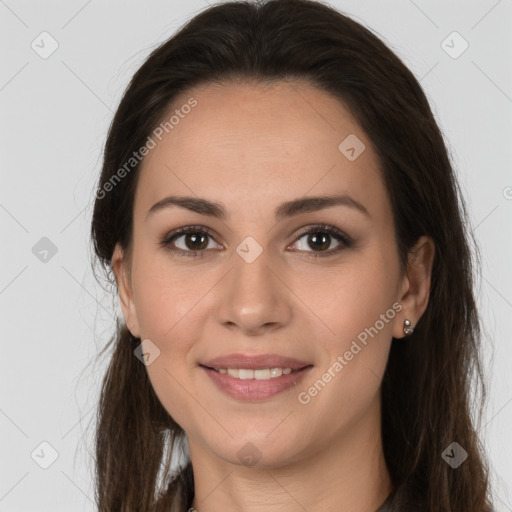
(263, 374)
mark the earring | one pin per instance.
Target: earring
(407, 327)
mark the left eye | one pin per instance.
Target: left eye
(195, 240)
(320, 237)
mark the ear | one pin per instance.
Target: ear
(121, 272)
(415, 289)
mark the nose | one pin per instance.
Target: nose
(254, 297)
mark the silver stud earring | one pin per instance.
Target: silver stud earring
(407, 327)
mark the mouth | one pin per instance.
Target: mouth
(255, 378)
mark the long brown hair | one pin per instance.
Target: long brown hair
(426, 389)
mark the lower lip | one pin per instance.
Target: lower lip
(254, 389)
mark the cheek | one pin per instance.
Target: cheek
(348, 378)
(168, 304)
(163, 295)
(347, 299)
(165, 317)
(358, 306)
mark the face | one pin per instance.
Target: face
(319, 283)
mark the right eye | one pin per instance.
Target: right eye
(195, 241)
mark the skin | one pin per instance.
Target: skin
(252, 147)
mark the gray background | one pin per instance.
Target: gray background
(55, 113)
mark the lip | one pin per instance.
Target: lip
(252, 390)
(255, 362)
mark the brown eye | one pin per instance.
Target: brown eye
(188, 241)
(195, 241)
(320, 238)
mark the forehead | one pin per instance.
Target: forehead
(251, 143)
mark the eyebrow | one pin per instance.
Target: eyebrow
(285, 210)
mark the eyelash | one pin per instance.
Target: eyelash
(339, 235)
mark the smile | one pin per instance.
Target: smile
(262, 374)
(254, 385)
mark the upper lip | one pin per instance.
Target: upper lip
(255, 362)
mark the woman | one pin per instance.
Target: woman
(291, 252)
